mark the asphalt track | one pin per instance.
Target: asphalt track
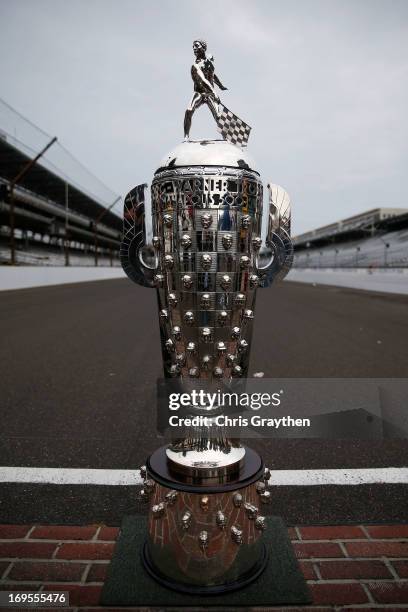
(79, 369)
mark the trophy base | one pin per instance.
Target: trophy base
(192, 589)
(130, 583)
(205, 533)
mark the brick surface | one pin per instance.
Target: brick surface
(388, 531)
(377, 549)
(389, 592)
(343, 570)
(360, 608)
(218, 609)
(13, 531)
(3, 566)
(109, 534)
(338, 594)
(307, 570)
(292, 533)
(35, 550)
(85, 551)
(5, 586)
(53, 571)
(308, 550)
(401, 567)
(79, 595)
(63, 532)
(339, 532)
(98, 572)
(333, 577)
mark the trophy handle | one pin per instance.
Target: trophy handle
(138, 259)
(277, 238)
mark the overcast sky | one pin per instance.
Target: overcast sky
(323, 83)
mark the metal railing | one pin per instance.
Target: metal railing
(43, 149)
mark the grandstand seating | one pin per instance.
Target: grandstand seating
(53, 211)
(388, 249)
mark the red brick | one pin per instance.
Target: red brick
(344, 570)
(338, 594)
(307, 550)
(308, 571)
(348, 609)
(3, 566)
(91, 550)
(139, 609)
(292, 533)
(62, 532)
(13, 532)
(76, 610)
(388, 531)
(69, 572)
(401, 567)
(340, 532)
(73, 609)
(217, 609)
(377, 549)
(19, 587)
(109, 534)
(35, 550)
(87, 595)
(389, 592)
(98, 572)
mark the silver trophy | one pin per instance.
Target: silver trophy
(206, 259)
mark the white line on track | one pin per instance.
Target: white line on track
(79, 476)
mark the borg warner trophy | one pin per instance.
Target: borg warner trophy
(206, 259)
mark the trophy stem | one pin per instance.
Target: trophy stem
(205, 454)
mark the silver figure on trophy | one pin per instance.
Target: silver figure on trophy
(204, 78)
(206, 259)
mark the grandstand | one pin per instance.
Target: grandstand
(53, 211)
(377, 238)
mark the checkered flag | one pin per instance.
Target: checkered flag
(233, 128)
